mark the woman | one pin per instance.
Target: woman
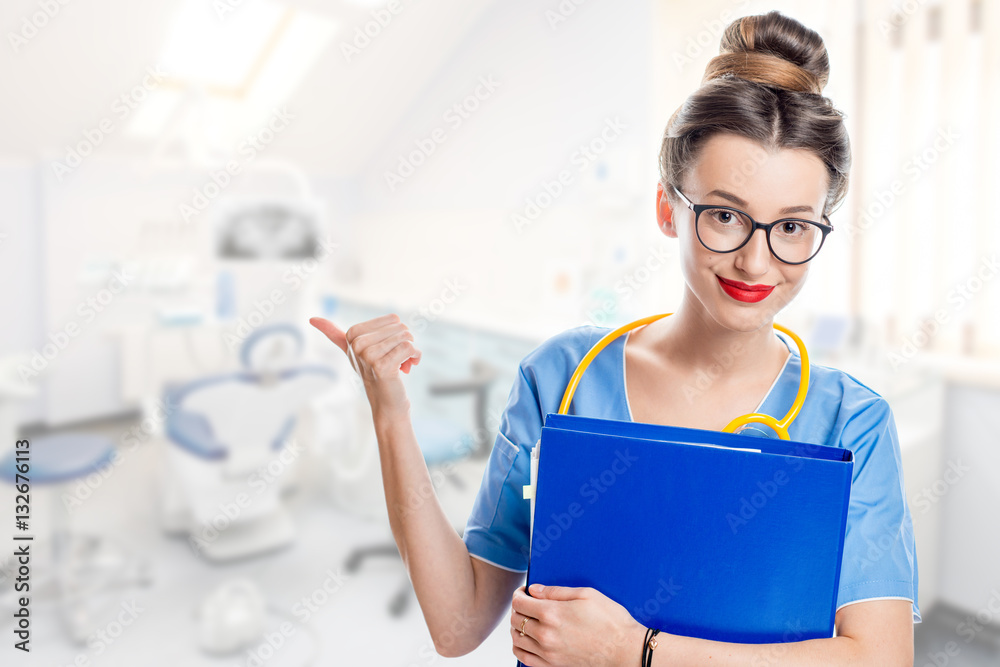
(759, 139)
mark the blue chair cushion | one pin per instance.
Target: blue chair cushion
(193, 430)
(194, 433)
(60, 457)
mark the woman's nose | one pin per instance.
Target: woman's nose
(754, 258)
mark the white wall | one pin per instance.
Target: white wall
(21, 299)
(560, 85)
(971, 536)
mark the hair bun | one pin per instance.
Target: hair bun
(773, 50)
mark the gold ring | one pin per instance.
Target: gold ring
(522, 625)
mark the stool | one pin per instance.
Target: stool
(82, 566)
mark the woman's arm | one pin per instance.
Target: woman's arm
(568, 626)
(876, 632)
(462, 598)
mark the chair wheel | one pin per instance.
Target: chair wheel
(400, 601)
(353, 563)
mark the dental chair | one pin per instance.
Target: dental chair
(442, 443)
(233, 455)
(85, 567)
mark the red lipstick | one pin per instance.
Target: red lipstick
(744, 292)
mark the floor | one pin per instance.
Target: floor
(945, 639)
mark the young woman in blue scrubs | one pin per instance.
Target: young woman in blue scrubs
(759, 139)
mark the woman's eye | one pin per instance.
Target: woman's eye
(791, 228)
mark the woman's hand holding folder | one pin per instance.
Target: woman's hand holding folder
(573, 626)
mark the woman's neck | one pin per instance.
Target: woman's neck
(691, 339)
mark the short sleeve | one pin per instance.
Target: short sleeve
(498, 527)
(880, 559)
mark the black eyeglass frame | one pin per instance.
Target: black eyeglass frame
(825, 228)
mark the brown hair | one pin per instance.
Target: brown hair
(766, 84)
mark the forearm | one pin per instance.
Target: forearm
(872, 632)
(435, 556)
(678, 651)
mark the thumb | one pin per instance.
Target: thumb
(331, 331)
(555, 592)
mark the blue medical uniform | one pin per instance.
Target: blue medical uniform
(880, 560)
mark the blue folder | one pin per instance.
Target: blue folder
(698, 533)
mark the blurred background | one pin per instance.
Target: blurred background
(186, 182)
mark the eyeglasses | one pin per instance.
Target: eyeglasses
(726, 229)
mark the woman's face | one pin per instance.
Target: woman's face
(737, 172)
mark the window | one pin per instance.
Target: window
(227, 66)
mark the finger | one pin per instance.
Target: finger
(330, 330)
(557, 592)
(516, 618)
(528, 605)
(388, 365)
(528, 658)
(372, 346)
(372, 353)
(540, 605)
(527, 642)
(371, 325)
(360, 341)
(413, 361)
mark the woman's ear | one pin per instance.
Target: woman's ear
(664, 213)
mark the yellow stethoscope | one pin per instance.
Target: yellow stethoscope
(779, 426)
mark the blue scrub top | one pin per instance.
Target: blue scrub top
(880, 559)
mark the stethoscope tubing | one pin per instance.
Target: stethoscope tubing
(780, 426)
